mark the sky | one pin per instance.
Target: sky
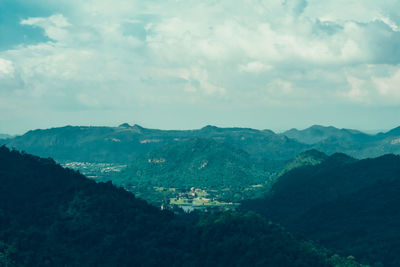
(184, 64)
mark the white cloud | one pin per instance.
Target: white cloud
(54, 26)
(6, 68)
(280, 87)
(255, 67)
(389, 87)
(127, 52)
(389, 22)
(358, 91)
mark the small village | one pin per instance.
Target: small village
(94, 170)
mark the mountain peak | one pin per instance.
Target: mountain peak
(320, 127)
(209, 128)
(125, 125)
(136, 127)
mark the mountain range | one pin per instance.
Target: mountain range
(125, 143)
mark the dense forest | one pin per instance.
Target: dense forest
(51, 216)
(197, 162)
(346, 204)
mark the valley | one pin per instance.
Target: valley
(49, 215)
(188, 199)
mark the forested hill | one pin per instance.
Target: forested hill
(198, 162)
(50, 216)
(346, 204)
(318, 133)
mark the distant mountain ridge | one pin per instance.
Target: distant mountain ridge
(125, 143)
(5, 136)
(331, 140)
(318, 133)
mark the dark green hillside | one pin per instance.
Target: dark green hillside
(346, 204)
(196, 162)
(307, 158)
(50, 216)
(310, 157)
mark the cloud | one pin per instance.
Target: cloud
(254, 67)
(6, 68)
(124, 54)
(358, 91)
(54, 26)
(389, 87)
(297, 7)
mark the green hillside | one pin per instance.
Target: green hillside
(196, 162)
(346, 204)
(200, 163)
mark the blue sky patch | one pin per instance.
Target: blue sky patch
(12, 33)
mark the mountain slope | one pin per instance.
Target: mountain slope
(318, 133)
(5, 136)
(197, 162)
(345, 204)
(50, 216)
(307, 158)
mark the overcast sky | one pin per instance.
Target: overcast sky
(183, 64)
